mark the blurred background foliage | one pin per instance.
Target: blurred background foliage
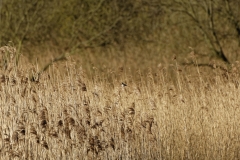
(144, 29)
(73, 23)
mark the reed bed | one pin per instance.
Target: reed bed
(63, 114)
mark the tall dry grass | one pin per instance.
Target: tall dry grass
(64, 114)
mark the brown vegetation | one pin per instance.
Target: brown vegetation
(112, 79)
(211, 29)
(67, 115)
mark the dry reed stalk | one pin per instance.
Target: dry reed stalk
(66, 114)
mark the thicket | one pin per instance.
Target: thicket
(209, 28)
(86, 23)
(209, 24)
